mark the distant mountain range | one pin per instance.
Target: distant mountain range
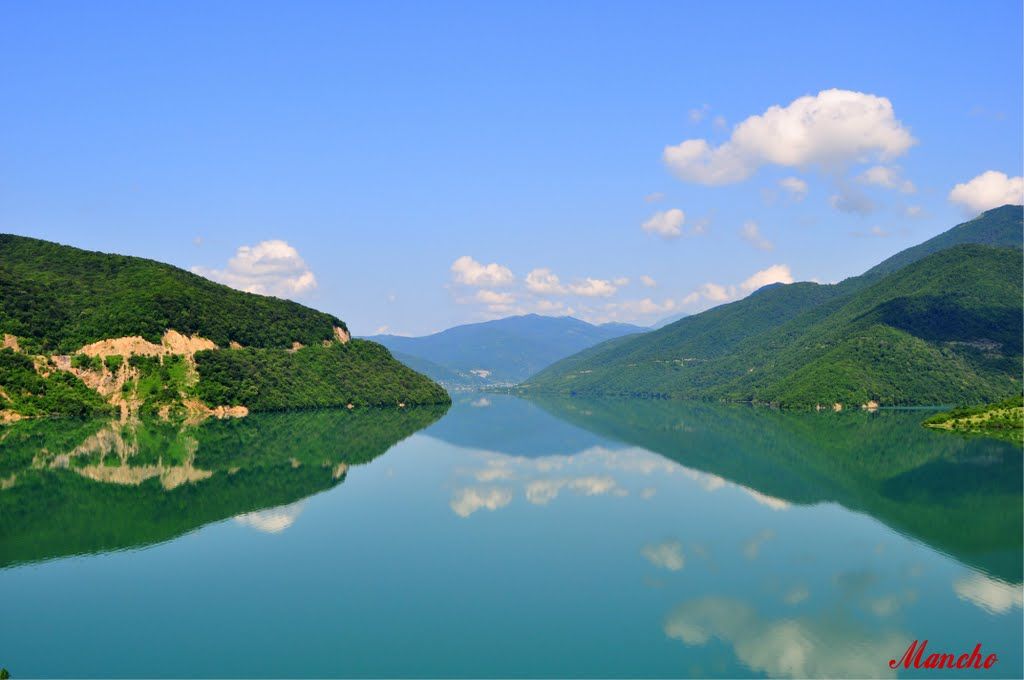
(501, 352)
(937, 323)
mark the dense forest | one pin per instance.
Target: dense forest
(359, 372)
(273, 354)
(25, 391)
(56, 298)
(936, 324)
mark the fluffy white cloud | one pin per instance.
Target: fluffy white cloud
(468, 500)
(268, 268)
(717, 293)
(796, 187)
(830, 129)
(988, 190)
(887, 177)
(272, 520)
(777, 273)
(751, 233)
(992, 595)
(839, 647)
(654, 197)
(667, 555)
(666, 223)
(491, 297)
(468, 271)
(543, 282)
(648, 281)
(589, 287)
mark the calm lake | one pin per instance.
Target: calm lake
(504, 538)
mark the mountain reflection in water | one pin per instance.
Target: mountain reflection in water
(551, 537)
(73, 487)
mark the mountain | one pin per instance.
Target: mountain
(504, 351)
(937, 323)
(88, 333)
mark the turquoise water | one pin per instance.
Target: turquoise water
(507, 538)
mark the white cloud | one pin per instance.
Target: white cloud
(796, 187)
(472, 273)
(666, 223)
(913, 211)
(382, 329)
(468, 500)
(593, 485)
(887, 177)
(777, 273)
(752, 548)
(551, 307)
(593, 288)
(836, 647)
(667, 555)
(830, 130)
(272, 520)
(267, 268)
(716, 293)
(988, 190)
(543, 491)
(751, 233)
(992, 595)
(648, 281)
(851, 201)
(492, 297)
(719, 122)
(543, 282)
(770, 502)
(630, 310)
(654, 197)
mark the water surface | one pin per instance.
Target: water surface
(506, 538)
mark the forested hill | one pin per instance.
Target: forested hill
(933, 324)
(56, 298)
(90, 333)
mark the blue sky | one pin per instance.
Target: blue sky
(348, 155)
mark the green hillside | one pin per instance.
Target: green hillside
(942, 329)
(267, 353)
(58, 298)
